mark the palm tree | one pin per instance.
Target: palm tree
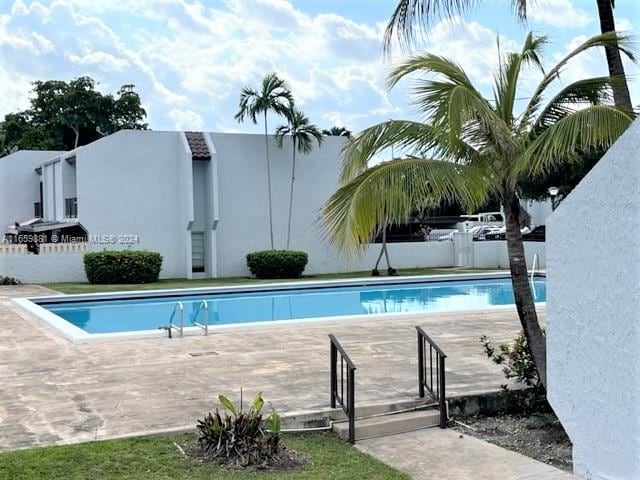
(412, 13)
(470, 147)
(336, 131)
(302, 133)
(274, 95)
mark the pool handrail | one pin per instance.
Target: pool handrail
(180, 329)
(205, 326)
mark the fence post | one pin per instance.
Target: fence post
(333, 357)
(442, 393)
(352, 404)
(420, 366)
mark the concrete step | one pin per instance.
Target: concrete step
(320, 417)
(389, 424)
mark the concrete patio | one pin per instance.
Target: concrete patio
(56, 392)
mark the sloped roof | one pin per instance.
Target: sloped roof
(198, 146)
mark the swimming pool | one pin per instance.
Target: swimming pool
(140, 312)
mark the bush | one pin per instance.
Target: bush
(277, 263)
(517, 362)
(516, 359)
(122, 266)
(9, 281)
(240, 438)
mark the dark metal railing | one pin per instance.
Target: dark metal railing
(348, 380)
(430, 367)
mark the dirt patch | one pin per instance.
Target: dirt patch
(539, 436)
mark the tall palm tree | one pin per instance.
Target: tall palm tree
(302, 133)
(410, 14)
(470, 147)
(274, 95)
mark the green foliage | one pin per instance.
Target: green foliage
(238, 437)
(64, 115)
(122, 266)
(336, 131)
(516, 360)
(277, 263)
(301, 131)
(9, 281)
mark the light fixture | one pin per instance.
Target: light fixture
(553, 191)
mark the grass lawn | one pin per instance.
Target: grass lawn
(155, 458)
(216, 282)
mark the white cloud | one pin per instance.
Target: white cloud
(186, 119)
(559, 13)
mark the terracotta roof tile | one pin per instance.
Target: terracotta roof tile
(198, 146)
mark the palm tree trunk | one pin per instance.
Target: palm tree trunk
(521, 288)
(621, 95)
(293, 179)
(76, 131)
(266, 146)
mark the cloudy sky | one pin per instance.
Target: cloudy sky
(190, 58)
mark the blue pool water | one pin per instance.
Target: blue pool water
(109, 316)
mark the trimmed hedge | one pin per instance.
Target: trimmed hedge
(122, 266)
(277, 263)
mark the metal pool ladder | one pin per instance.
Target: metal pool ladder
(177, 307)
(204, 326)
(536, 262)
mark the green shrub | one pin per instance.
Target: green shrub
(9, 281)
(517, 364)
(240, 438)
(122, 266)
(277, 263)
(516, 360)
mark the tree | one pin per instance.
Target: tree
(410, 14)
(336, 131)
(65, 115)
(471, 147)
(274, 95)
(302, 133)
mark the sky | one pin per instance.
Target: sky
(189, 59)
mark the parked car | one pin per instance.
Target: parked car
(538, 234)
(480, 232)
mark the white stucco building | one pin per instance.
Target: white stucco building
(200, 199)
(593, 300)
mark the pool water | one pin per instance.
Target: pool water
(126, 315)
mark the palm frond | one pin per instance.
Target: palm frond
(410, 138)
(595, 127)
(589, 91)
(625, 43)
(274, 95)
(506, 79)
(300, 128)
(390, 191)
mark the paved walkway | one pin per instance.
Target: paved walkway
(449, 455)
(56, 392)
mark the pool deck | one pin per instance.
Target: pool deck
(54, 391)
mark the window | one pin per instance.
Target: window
(37, 209)
(71, 207)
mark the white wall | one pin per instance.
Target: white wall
(20, 185)
(130, 183)
(539, 210)
(54, 267)
(493, 254)
(593, 329)
(244, 220)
